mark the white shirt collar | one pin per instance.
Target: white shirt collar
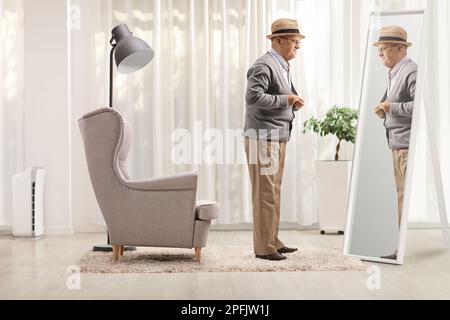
(284, 64)
(397, 67)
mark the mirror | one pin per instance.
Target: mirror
(374, 216)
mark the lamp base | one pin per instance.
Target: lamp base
(108, 248)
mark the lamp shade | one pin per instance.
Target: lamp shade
(131, 52)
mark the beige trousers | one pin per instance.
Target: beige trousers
(266, 166)
(400, 158)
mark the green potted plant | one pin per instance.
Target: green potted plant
(339, 121)
(333, 177)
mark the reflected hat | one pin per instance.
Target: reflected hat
(393, 35)
(285, 27)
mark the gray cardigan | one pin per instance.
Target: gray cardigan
(401, 98)
(268, 114)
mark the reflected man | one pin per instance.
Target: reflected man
(397, 105)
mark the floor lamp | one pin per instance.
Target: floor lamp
(131, 54)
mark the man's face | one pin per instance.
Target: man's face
(390, 55)
(288, 46)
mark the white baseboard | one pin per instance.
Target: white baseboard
(5, 230)
(424, 225)
(249, 227)
(296, 226)
(59, 231)
(52, 231)
(93, 228)
(214, 227)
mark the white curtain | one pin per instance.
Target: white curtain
(11, 102)
(198, 77)
(204, 49)
(434, 125)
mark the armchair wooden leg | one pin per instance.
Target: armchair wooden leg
(115, 252)
(120, 251)
(198, 254)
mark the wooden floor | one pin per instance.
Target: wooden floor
(38, 270)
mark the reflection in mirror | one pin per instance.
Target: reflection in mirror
(384, 128)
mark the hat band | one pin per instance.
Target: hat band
(391, 39)
(287, 31)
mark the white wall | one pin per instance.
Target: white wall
(46, 105)
(11, 104)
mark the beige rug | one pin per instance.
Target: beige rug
(218, 259)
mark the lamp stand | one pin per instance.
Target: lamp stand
(111, 78)
(130, 54)
(108, 247)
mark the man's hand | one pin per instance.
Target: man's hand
(382, 109)
(296, 102)
(299, 104)
(292, 99)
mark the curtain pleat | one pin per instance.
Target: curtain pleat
(12, 150)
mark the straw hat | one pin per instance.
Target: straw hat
(393, 35)
(285, 27)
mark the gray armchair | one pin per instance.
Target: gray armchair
(160, 212)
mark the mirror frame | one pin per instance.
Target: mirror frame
(357, 151)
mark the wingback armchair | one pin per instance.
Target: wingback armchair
(159, 212)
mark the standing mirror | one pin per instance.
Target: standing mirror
(374, 210)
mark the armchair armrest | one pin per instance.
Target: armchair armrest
(183, 181)
(206, 210)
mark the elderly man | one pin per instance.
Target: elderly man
(397, 105)
(271, 101)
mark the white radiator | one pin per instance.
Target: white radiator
(28, 203)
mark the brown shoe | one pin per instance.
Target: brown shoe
(287, 250)
(274, 257)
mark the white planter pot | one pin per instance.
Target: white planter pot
(333, 180)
